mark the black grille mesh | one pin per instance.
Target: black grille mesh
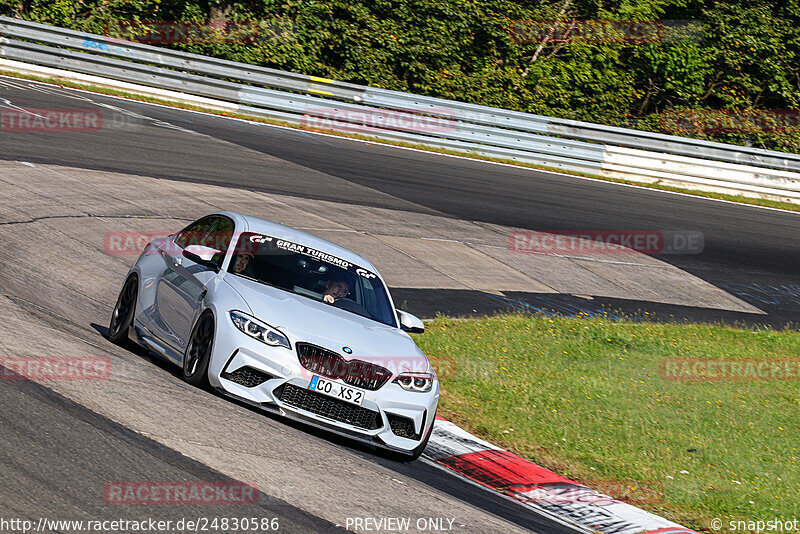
(247, 376)
(329, 364)
(402, 426)
(328, 407)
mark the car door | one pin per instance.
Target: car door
(182, 284)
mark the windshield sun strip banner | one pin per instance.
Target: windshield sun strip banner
(312, 253)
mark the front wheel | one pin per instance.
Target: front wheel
(198, 352)
(122, 316)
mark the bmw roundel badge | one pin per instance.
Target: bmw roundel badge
(348, 350)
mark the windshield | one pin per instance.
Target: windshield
(313, 274)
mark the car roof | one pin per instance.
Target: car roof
(263, 226)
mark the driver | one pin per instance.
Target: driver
(335, 288)
(242, 264)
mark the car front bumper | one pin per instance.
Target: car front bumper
(272, 378)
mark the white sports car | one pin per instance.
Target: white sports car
(286, 321)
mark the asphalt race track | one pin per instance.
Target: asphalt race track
(62, 443)
(751, 252)
(43, 431)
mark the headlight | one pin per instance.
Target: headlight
(258, 330)
(420, 382)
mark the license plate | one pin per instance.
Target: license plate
(336, 390)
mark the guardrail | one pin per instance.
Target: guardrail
(263, 92)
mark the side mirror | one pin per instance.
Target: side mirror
(410, 323)
(202, 256)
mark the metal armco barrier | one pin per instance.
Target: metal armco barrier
(329, 104)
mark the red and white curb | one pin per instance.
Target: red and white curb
(537, 487)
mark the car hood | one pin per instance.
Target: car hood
(306, 320)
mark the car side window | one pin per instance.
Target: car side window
(194, 233)
(219, 237)
(214, 231)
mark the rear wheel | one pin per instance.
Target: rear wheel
(122, 316)
(198, 352)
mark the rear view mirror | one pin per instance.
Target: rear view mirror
(410, 323)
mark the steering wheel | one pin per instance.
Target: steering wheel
(351, 306)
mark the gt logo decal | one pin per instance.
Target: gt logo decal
(365, 273)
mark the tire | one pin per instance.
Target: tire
(198, 352)
(124, 310)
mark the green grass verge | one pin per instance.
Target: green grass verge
(586, 397)
(144, 98)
